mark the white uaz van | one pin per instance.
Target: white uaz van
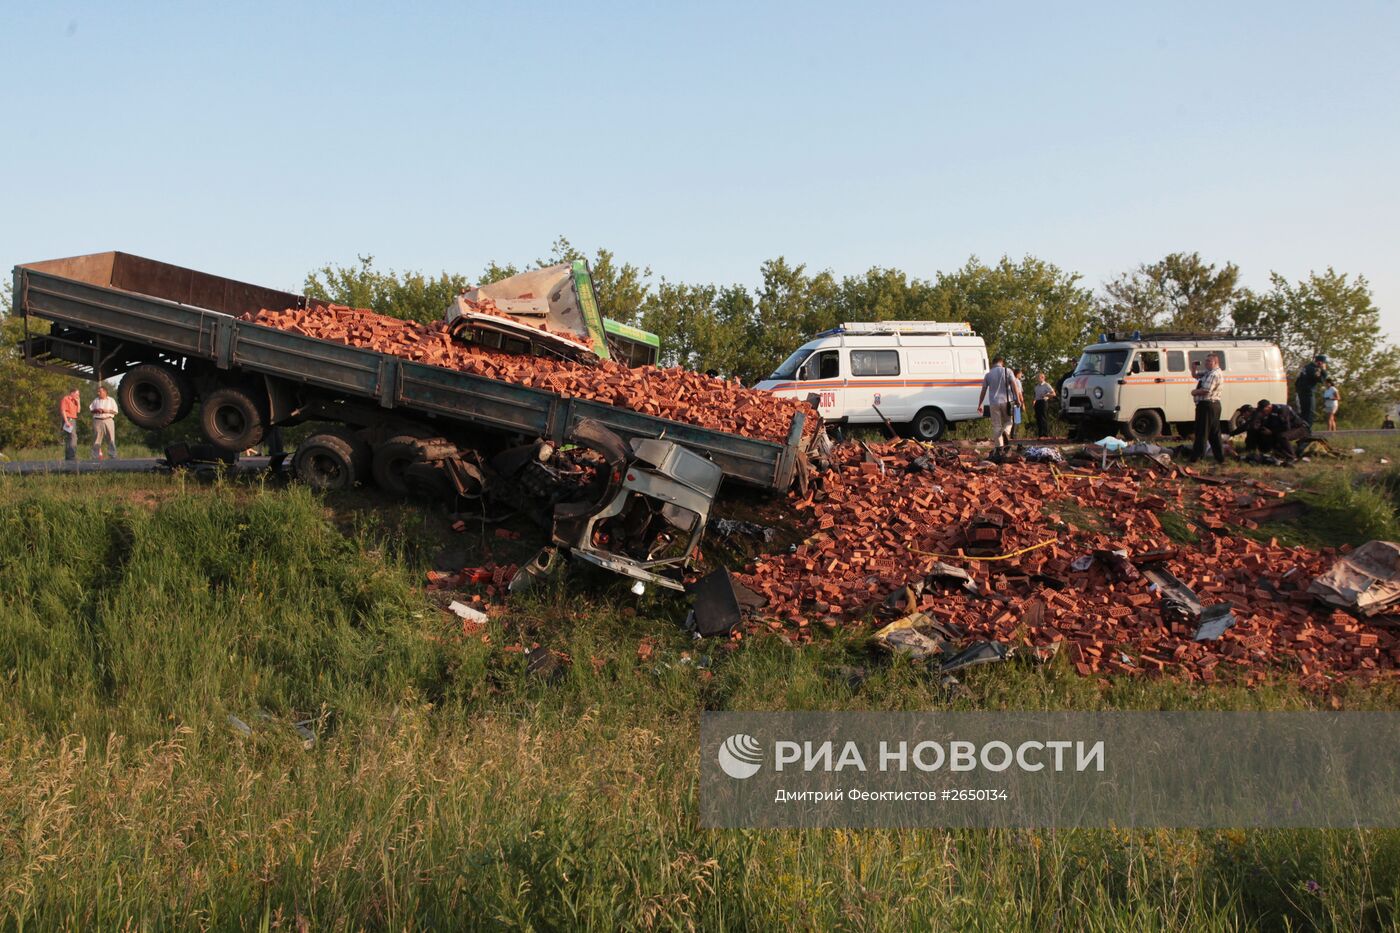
(1141, 383)
(921, 375)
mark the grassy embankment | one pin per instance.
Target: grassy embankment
(448, 787)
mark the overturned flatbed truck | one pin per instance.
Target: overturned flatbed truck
(174, 336)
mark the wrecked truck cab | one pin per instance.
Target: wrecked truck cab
(647, 520)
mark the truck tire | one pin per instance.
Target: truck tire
(232, 418)
(153, 396)
(332, 460)
(1146, 424)
(392, 458)
(928, 425)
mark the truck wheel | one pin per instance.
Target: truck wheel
(928, 425)
(154, 396)
(392, 458)
(1146, 424)
(232, 419)
(331, 460)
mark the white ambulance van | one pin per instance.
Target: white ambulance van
(1141, 383)
(921, 375)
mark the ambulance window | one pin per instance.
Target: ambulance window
(1176, 361)
(823, 365)
(874, 362)
(1198, 360)
(1148, 361)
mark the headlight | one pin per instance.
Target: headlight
(1098, 392)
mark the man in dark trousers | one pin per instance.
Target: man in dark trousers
(1207, 396)
(1308, 379)
(1044, 392)
(1272, 429)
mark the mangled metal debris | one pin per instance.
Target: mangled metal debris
(733, 527)
(1214, 621)
(1179, 601)
(982, 652)
(720, 603)
(1366, 581)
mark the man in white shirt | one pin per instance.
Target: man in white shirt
(104, 423)
(1001, 391)
(1207, 396)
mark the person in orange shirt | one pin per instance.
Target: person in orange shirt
(68, 408)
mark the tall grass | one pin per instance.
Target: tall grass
(447, 787)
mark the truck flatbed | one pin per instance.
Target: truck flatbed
(112, 311)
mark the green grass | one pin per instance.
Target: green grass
(450, 788)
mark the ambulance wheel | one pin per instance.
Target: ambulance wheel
(928, 425)
(1146, 424)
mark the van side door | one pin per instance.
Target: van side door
(1178, 403)
(875, 374)
(1143, 385)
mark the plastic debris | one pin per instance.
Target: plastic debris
(467, 613)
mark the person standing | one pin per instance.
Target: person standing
(1308, 378)
(68, 408)
(1017, 410)
(1331, 400)
(104, 423)
(1000, 393)
(1044, 391)
(1207, 396)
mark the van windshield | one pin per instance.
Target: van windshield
(789, 368)
(1101, 363)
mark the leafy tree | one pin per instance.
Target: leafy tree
(1331, 313)
(28, 395)
(1031, 312)
(1181, 292)
(885, 295)
(408, 295)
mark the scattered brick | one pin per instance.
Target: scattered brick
(870, 533)
(676, 394)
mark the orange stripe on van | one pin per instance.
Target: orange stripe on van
(874, 384)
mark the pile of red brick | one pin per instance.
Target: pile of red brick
(876, 522)
(677, 394)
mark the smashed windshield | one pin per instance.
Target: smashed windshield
(789, 368)
(1101, 362)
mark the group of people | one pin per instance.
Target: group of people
(104, 424)
(1004, 401)
(1270, 428)
(1309, 378)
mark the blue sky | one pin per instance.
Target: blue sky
(261, 140)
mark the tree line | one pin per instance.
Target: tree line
(1031, 311)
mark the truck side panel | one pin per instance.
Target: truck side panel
(168, 326)
(273, 352)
